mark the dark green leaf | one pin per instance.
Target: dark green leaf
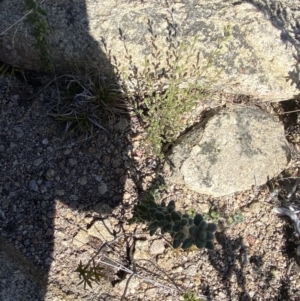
(200, 243)
(152, 226)
(179, 236)
(176, 244)
(209, 245)
(211, 227)
(171, 204)
(184, 222)
(202, 225)
(175, 216)
(187, 243)
(209, 235)
(201, 235)
(171, 209)
(159, 216)
(152, 232)
(193, 230)
(142, 208)
(198, 219)
(169, 218)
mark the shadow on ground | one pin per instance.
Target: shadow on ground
(40, 169)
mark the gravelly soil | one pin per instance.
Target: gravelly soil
(58, 193)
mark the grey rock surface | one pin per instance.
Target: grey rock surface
(236, 149)
(261, 59)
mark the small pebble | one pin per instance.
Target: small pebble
(102, 188)
(82, 180)
(33, 185)
(45, 141)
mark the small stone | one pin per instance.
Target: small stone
(45, 141)
(50, 174)
(126, 196)
(72, 162)
(102, 188)
(98, 178)
(49, 232)
(43, 189)
(121, 125)
(2, 215)
(37, 162)
(106, 160)
(142, 250)
(33, 185)
(48, 184)
(19, 132)
(60, 192)
(80, 239)
(102, 230)
(48, 261)
(82, 180)
(222, 295)
(102, 209)
(91, 150)
(157, 247)
(74, 197)
(69, 215)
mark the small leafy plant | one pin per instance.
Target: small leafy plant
(214, 215)
(236, 218)
(89, 273)
(184, 230)
(40, 30)
(167, 86)
(189, 296)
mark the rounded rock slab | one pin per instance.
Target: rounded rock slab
(236, 149)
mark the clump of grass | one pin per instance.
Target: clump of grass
(11, 72)
(162, 96)
(86, 103)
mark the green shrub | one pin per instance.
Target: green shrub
(162, 96)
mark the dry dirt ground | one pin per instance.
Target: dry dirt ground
(65, 200)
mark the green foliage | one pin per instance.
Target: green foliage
(189, 296)
(214, 215)
(40, 30)
(89, 273)
(191, 212)
(184, 230)
(162, 95)
(236, 218)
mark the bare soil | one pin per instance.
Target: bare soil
(58, 191)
